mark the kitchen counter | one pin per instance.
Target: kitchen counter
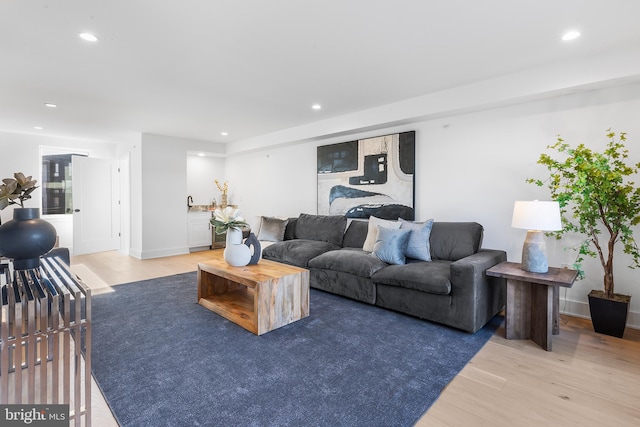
(201, 208)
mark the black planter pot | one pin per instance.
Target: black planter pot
(608, 316)
(26, 237)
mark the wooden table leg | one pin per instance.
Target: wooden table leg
(531, 312)
(518, 322)
(542, 308)
(556, 310)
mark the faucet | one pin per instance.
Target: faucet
(189, 201)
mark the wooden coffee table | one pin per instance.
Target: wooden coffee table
(260, 297)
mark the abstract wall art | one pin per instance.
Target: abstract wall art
(373, 176)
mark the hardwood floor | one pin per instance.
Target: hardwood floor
(587, 380)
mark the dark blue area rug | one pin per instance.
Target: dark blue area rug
(163, 360)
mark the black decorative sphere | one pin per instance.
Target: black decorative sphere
(26, 237)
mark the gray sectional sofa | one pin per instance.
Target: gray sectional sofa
(452, 288)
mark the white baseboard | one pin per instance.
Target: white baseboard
(581, 309)
(135, 253)
(164, 252)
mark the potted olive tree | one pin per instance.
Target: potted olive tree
(599, 201)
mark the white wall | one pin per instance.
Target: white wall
(135, 201)
(469, 167)
(163, 187)
(201, 175)
(274, 182)
(159, 194)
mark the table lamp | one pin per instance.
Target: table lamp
(536, 217)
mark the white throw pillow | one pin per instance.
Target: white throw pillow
(372, 232)
(272, 229)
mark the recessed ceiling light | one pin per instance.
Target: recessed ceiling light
(201, 154)
(571, 35)
(224, 133)
(316, 107)
(88, 37)
(38, 127)
(50, 105)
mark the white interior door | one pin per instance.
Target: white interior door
(96, 216)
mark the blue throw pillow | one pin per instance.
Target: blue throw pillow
(390, 245)
(418, 246)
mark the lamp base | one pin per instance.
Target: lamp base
(534, 253)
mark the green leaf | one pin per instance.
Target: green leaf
(17, 188)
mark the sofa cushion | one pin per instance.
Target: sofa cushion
(431, 277)
(391, 245)
(323, 228)
(290, 230)
(348, 260)
(356, 234)
(418, 246)
(297, 252)
(455, 240)
(272, 229)
(372, 231)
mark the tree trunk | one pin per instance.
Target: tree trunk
(608, 282)
(608, 267)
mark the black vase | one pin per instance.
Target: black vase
(26, 237)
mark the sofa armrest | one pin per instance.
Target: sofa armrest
(473, 293)
(480, 261)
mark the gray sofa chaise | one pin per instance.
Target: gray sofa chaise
(451, 289)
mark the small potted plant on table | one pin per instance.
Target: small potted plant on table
(597, 200)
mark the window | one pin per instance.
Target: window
(57, 198)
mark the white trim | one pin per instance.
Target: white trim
(581, 309)
(135, 253)
(160, 253)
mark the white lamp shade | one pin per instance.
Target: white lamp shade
(536, 215)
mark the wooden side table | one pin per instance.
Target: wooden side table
(533, 301)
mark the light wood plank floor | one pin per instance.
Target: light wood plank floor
(587, 380)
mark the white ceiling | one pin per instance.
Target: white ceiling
(195, 68)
